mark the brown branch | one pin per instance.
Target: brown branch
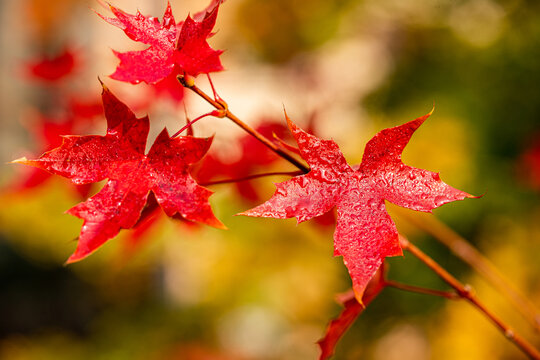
(250, 177)
(222, 105)
(470, 255)
(465, 292)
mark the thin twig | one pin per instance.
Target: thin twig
(188, 122)
(250, 177)
(465, 292)
(191, 122)
(221, 105)
(466, 252)
(452, 295)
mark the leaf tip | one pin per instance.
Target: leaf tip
(359, 294)
(432, 109)
(103, 86)
(251, 213)
(216, 223)
(222, 226)
(470, 196)
(292, 126)
(72, 259)
(22, 160)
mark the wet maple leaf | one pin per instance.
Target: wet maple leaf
(365, 234)
(120, 157)
(352, 309)
(174, 48)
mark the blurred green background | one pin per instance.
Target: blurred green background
(265, 288)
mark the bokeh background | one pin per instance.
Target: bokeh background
(265, 288)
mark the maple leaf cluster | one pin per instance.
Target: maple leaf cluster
(174, 48)
(139, 183)
(365, 234)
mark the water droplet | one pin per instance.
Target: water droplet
(440, 200)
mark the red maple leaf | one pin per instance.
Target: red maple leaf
(52, 69)
(529, 163)
(174, 48)
(120, 157)
(365, 234)
(352, 309)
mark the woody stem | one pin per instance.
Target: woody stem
(220, 105)
(466, 252)
(452, 295)
(465, 292)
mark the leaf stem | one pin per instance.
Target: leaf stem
(470, 255)
(222, 105)
(250, 177)
(191, 122)
(466, 292)
(452, 295)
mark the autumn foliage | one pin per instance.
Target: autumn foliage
(365, 233)
(120, 157)
(173, 175)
